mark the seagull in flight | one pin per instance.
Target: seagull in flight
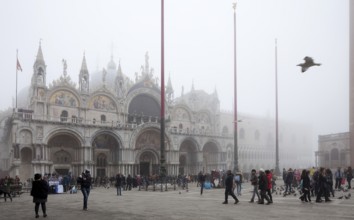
(308, 63)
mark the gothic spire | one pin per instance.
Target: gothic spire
(169, 88)
(119, 72)
(84, 65)
(84, 82)
(39, 58)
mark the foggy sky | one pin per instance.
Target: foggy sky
(198, 47)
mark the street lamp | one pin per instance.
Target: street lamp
(236, 168)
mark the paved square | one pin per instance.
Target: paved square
(104, 204)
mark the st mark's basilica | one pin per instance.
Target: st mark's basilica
(110, 124)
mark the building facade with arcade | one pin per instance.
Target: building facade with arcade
(110, 124)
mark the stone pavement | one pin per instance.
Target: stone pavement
(104, 204)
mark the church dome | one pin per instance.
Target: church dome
(23, 97)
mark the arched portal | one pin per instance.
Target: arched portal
(147, 146)
(106, 153)
(210, 157)
(63, 151)
(148, 163)
(188, 158)
(26, 162)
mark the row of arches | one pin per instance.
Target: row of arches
(106, 156)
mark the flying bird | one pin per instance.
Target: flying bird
(308, 63)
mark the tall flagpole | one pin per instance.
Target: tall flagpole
(277, 170)
(16, 76)
(162, 113)
(236, 168)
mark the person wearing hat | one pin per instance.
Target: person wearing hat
(85, 181)
(39, 191)
(229, 183)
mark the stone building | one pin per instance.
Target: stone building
(333, 150)
(338, 149)
(110, 124)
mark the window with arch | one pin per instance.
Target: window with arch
(64, 116)
(242, 133)
(103, 118)
(73, 119)
(180, 126)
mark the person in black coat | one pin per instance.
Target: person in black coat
(119, 184)
(322, 186)
(229, 187)
(85, 181)
(288, 181)
(201, 180)
(39, 191)
(263, 186)
(306, 186)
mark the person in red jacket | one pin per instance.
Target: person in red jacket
(269, 189)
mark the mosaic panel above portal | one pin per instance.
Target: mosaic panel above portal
(102, 102)
(64, 98)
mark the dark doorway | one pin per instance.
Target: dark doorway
(62, 172)
(145, 168)
(101, 172)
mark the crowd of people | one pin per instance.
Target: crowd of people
(318, 184)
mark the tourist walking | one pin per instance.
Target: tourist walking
(5, 188)
(254, 182)
(201, 181)
(119, 184)
(289, 181)
(269, 188)
(85, 181)
(263, 186)
(322, 181)
(306, 185)
(349, 177)
(238, 180)
(39, 192)
(338, 175)
(329, 182)
(229, 187)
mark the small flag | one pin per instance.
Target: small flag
(18, 66)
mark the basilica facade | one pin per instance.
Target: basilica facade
(110, 124)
